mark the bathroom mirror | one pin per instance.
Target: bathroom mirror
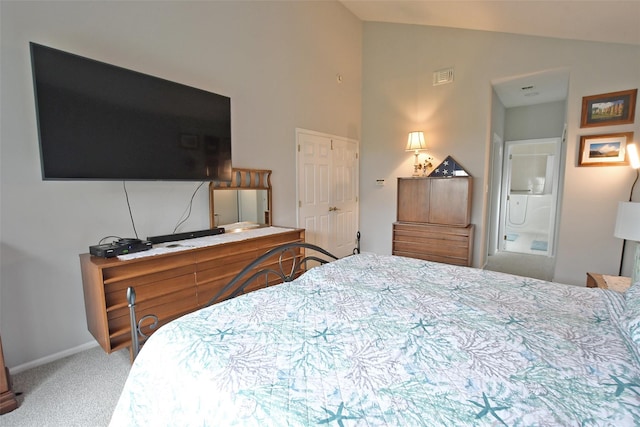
(242, 203)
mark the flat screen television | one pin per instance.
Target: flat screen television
(97, 121)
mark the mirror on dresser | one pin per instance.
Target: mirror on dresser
(244, 202)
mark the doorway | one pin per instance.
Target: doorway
(328, 190)
(528, 127)
(528, 204)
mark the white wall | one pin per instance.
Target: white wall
(535, 121)
(398, 97)
(276, 60)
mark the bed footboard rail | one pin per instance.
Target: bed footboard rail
(293, 254)
(295, 251)
(138, 336)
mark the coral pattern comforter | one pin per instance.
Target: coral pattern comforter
(374, 340)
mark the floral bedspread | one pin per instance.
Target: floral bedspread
(373, 340)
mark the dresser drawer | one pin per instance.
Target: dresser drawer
(451, 245)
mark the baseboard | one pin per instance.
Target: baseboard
(52, 358)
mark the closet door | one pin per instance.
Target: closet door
(327, 189)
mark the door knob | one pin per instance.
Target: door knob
(333, 208)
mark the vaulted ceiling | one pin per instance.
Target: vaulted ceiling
(611, 21)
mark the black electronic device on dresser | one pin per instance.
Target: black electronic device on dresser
(120, 247)
(186, 235)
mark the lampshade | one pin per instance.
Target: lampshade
(634, 158)
(416, 142)
(628, 221)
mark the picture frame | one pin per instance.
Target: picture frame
(607, 109)
(604, 150)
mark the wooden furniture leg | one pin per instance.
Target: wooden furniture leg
(8, 400)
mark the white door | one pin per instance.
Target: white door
(327, 169)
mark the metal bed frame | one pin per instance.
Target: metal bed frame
(237, 286)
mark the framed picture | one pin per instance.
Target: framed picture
(615, 108)
(604, 150)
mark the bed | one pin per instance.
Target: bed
(376, 340)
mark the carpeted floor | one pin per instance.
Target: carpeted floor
(80, 390)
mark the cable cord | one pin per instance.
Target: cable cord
(124, 185)
(633, 186)
(108, 237)
(187, 211)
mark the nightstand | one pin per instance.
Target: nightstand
(615, 283)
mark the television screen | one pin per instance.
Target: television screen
(102, 122)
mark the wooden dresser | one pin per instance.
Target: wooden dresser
(433, 219)
(167, 285)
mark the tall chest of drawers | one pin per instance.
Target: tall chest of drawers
(433, 219)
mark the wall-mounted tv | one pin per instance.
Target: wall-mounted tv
(97, 121)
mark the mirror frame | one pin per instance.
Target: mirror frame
(243, 179)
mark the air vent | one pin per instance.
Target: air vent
(443, 76)
(529, 91)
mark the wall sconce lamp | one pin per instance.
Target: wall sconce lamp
(628, 228)
(416, 143)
